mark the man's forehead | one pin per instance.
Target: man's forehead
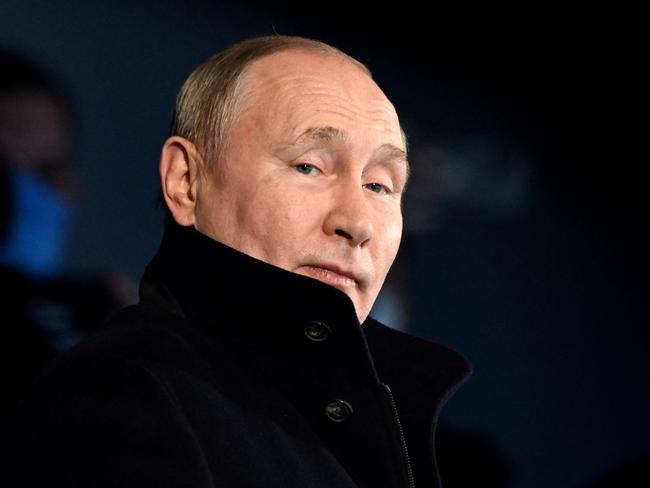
(301, 71)
(295, 102)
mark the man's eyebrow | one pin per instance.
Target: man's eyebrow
(328, 133)
(393, 153)
(390, 151)
(325, 133)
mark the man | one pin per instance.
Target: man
(251, 360)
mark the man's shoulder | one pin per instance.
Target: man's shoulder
(136, 331)
(135, 338)
(112, 397)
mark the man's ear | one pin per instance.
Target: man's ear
(180, 164)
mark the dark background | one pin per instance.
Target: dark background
(540, 286)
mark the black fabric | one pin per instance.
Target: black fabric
(211, 381)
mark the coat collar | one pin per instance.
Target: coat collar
(213, 279)
(269, 305)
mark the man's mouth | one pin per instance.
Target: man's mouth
(332, 275)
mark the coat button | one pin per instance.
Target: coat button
(317, 331)
(338, 411)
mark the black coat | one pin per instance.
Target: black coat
(231, 372)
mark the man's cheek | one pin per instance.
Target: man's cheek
(393, 234)
(273, 225)
(295, 213)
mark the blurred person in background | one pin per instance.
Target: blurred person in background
(46, 309)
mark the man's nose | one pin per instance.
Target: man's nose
(350, 216)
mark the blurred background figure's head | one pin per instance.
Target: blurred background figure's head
(48, 309)
(39, 184)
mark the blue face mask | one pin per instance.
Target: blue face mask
(39, 227)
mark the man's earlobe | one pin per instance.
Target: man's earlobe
(179, 170)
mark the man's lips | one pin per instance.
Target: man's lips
(332, 275)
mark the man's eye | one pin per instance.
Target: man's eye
(377, 188)
(306, 168)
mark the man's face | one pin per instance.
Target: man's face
(312, 177)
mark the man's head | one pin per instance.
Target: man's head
(309, 174)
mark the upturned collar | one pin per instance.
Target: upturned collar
(239, 294)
